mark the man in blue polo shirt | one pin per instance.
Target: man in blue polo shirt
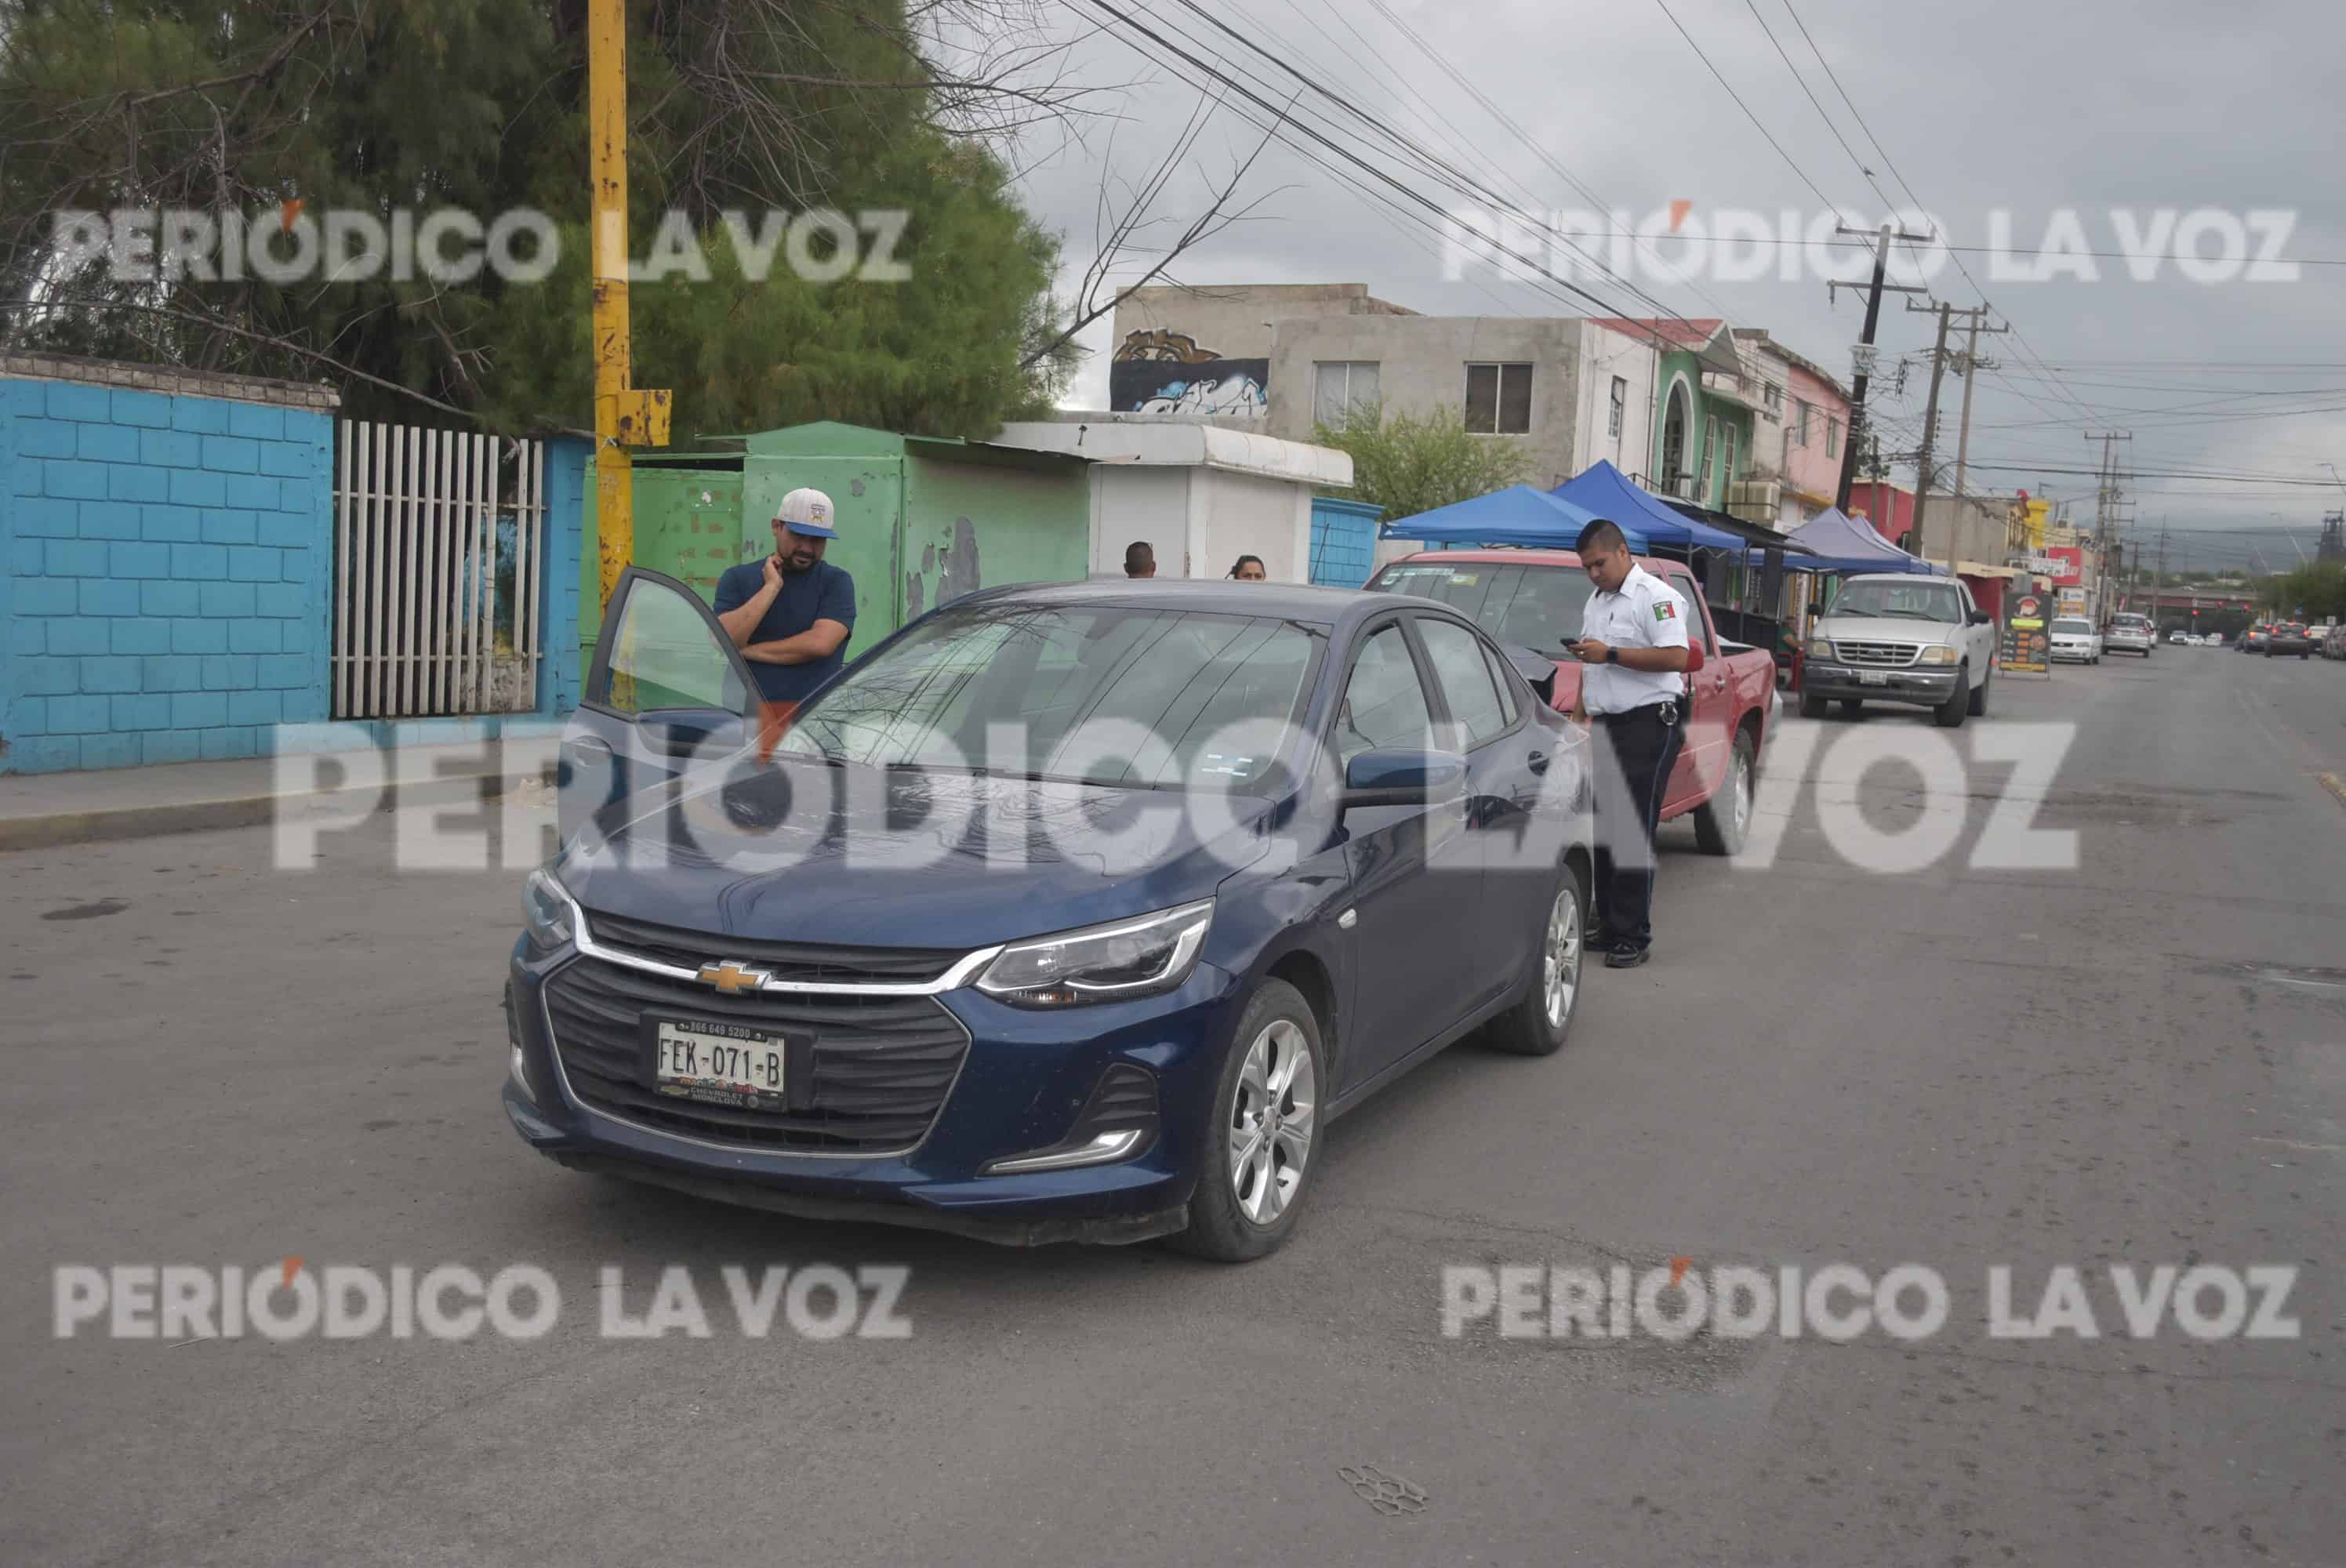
(792, 613)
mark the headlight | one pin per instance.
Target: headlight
(1102, 963)
(546, 910)
(1941, 654)
(1820, 648)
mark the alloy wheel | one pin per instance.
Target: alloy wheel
(1273, 1121)
(1560, 954)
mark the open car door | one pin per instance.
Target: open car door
(667, 686)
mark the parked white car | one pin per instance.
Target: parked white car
(2074, 640)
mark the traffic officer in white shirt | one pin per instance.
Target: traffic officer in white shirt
(1634, 642)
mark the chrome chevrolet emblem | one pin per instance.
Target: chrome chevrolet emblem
(733, 975)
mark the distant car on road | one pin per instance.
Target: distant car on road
(2074, 640)
(1894, 638)
(2253, 640)
(2333, 645)
(2289, 637)
(2132, 634)
(2182, 639)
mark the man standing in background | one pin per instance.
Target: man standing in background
(1139, 560)
(790, 614)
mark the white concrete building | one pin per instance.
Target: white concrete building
(1200, 494)
(1572, 391)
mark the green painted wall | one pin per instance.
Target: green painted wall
(1679, 366)
(969, 525)
(688, 526)
(918, 521)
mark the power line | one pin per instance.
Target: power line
(1740, 104)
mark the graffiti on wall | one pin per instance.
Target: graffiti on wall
(1165, 371)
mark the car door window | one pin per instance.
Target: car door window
(1456, 654)
(1506, 687)
(1384, 704)
(663, 655)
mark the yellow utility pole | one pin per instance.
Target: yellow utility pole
(624, 417)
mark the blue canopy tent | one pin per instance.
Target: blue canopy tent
(1607, 492)
(1518, 515)
(1842, 544)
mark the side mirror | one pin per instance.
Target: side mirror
(1981, 617)
(1402, 778)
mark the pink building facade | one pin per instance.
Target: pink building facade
(1816, 426)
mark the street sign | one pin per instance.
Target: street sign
(1862, 357)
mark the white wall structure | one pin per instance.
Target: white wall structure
(1201, 495)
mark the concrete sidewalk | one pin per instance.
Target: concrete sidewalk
(41, 810)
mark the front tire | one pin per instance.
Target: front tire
(1538, 1024)
(1812, 705)
(1951, 714)
(1720, 821)
(1259, 1148)
(1978, 700)
(1850, 706)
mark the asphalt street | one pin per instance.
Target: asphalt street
(2139, 1060)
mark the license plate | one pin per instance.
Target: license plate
(718, 1063)
(1871, 677)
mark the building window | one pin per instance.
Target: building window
(1709, 460)
(1726, 456)
(1340, 385)
(1499, 400)
(1833, 436)
(1774, 397)
(1674, 442)
(1799, 422)
(1619, 406)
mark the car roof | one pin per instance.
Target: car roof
(1287, 601)
(1523, 557)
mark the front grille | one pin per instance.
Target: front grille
(788, 960)
(1887, 656)
(873, 1080)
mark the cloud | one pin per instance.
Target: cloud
(2007, 104)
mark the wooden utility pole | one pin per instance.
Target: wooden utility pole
(624, 417)
(1862, 371)
(1973, 365)
(1930, 431)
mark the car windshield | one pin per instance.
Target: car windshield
(1086, 694)
(1911, 601)
(2074, 628)
(1536, 607)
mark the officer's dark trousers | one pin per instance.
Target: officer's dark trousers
(1628, 807)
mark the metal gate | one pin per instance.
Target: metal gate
(439, 552)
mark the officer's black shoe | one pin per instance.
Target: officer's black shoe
(1627, 957)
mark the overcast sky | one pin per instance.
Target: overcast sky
(2000, 105)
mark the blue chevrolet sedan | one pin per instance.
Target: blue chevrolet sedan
(1070, 911)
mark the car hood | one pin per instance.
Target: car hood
(1885, 628)
(855, 857)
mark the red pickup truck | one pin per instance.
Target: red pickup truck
(1535, 599)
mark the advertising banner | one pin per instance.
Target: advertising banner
(2026, 646)
(2069, 565)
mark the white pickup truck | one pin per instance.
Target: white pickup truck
(1894, 638)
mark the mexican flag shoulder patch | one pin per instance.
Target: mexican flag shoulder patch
(1666, 611)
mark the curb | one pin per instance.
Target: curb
(60, 829)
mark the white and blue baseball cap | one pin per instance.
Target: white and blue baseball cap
(808, 512)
